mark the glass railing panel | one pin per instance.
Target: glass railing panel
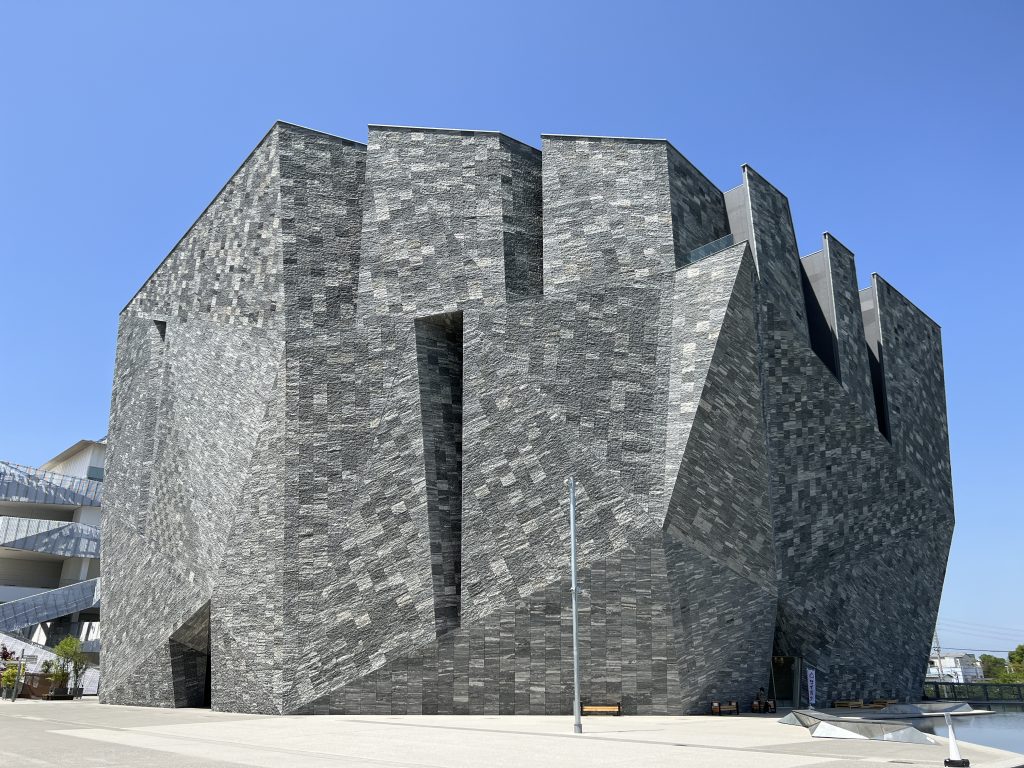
(707, 249)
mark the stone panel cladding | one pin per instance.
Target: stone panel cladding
(858, 534)
(322, 193)
(452, 219)
(188, 402)
(346, 404)
(645, 206)
(854, 369)
(698, 207)
(775, 251)
(915, 389)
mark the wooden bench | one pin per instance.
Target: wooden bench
(849, 703)
(727, 708)
(880, 703)
(601, 709)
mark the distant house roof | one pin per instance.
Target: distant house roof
(68, 452)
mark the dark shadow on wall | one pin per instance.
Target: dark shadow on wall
(822, 335)
(876, 361)
(439, 363)
(190, 660)
(878, 385)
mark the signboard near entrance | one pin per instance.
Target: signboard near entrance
(811, 687)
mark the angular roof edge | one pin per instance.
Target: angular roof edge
(453, 131)
(638, 139)
(67, 452)
(180, 240)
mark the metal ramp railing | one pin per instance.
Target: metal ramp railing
(31, 610)
(37, 486)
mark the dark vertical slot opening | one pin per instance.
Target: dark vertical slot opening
(439, 362)
(876, 363)
(189, 647)
(822, 335)
(161, 328)
(878, 387)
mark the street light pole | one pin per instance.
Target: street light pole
(577, 726)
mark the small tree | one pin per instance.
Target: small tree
(71, 660)
(1017, 658)
(992, 667)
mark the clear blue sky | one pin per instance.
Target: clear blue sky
(896, 126)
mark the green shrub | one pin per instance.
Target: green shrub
(9, 677)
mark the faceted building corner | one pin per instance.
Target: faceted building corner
(346, 403)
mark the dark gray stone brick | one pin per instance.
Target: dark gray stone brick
(346, 403)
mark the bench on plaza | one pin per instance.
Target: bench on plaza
(880, 703)
(768, 705)
(601, 709)
(848, 703)
(726, 708)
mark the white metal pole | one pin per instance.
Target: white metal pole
(954, 760)
(577, 724)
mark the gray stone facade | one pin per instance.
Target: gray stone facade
(346, 403)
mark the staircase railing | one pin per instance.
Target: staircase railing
(31, 610)
(37, 486)
(53, 537)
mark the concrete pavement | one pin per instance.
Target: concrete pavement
(85, 733)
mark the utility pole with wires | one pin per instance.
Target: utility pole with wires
(938, 654)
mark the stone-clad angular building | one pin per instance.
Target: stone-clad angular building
(346, 403)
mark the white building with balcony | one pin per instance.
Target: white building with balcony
(50, 548)
(954, 668)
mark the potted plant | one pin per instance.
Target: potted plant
(56, 673)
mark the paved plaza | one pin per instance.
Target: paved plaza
(85, 733)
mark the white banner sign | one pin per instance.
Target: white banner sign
(811, 688)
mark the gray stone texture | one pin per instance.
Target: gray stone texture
(775, 252)
(451, 220)
(346, 403)
(621, 211)
(855, 372)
